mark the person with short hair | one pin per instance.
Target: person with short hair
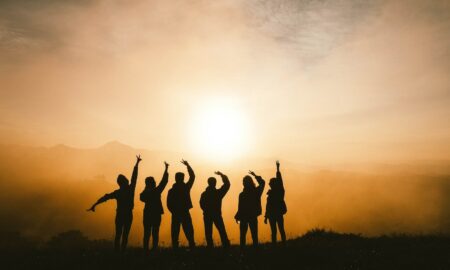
(179, 203)
(125, 204)
(211, 204)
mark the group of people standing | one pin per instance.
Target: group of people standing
(179, 204)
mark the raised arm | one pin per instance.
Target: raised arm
(280, 179)
(191, 180)
(261, 182)
(226, 184)
(135, 172)
(103, 199)
(165, 179)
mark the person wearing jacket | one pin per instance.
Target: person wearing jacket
(276, 206)
(125, 204)
(249, 207)
(211, 204)
(153, 209)
(179, 203)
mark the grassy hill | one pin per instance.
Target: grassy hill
(317, 249)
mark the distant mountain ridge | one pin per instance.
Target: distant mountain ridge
(115, 155)
(54, 185)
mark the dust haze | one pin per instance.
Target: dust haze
(352, 96)
(47, 191)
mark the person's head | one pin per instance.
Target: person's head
(212, 182)
(179, 177)
(273, 183)
(122, 181)
(248, 182)
(150, 182)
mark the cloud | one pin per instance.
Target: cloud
(319, 71)
(308, 28)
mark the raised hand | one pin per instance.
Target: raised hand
(185, 162)
(91, 209)
(138, 159)
(166, 164)
(252, 173)
(219, 173)
(278, 164)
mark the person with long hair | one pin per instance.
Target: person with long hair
(249, 207)
(276, 206)
(153, 209)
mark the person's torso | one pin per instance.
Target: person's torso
(212, 202)
(180, 198)
(153, 202)
(275, 202)
(250, 204)
(125, 199)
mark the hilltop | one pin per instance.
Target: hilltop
(317, 249)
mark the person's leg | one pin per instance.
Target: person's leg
(243, 227)
(273, 229)
(281, 228)
(119, 229)
(155, 231)
(218, 221)
(207, 220)
(188, 229)
(254, 230)
(147, 230)
(175, 230)
(126, 230)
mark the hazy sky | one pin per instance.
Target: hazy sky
(317, 81)
(324, 82)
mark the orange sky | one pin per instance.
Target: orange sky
(352, 96)
(318, 82)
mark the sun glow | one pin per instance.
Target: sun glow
(220, 130)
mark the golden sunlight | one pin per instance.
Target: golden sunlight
(220, 130)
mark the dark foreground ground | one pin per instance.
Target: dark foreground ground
(315, 250)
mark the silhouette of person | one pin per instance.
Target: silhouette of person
(211, 204)
(125, 203)
(249, 208)
(179, 202)
(153, 209)
(276, 206)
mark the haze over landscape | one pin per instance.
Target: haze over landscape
(47, 191)
(353, 97)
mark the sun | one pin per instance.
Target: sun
(220, 130)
